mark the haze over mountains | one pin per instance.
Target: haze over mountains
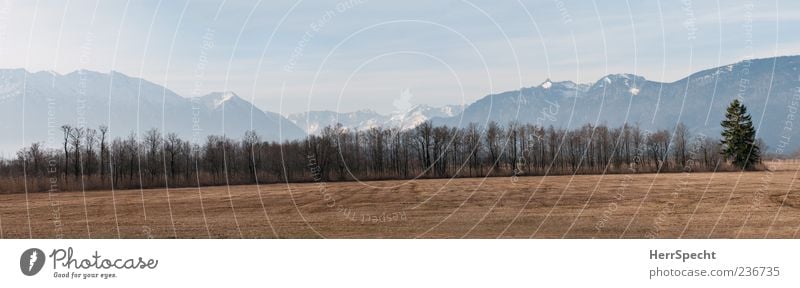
(769, 87)
(314, 121)
(85, 98)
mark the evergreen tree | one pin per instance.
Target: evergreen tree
(738, 137)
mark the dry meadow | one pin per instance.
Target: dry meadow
(675, 205)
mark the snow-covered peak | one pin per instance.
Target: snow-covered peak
(314, 121)
(562, 85)
(217, 99)
(452, 110)
(620, 76)
(365, 112)
(49, 73)
(419, 114)
(546, 84)
(86, 73)
(627, 80)
(419, 108)
(429, 111)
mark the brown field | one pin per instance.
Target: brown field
(697, 205)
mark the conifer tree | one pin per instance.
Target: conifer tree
(738, 137)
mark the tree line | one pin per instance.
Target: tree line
(90, 160)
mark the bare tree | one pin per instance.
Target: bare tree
(171, 150)
(103, 151)
(36, 155)
(493, 134)
(250, 144)
(153, 142)
(424, 135)
(89, 156)
(659, 144)
(472, 138)
(76, 138)
(67, 133)
(340, 154)
(680, 142)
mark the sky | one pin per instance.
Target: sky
(347, 55)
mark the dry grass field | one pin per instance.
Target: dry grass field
(696, 205)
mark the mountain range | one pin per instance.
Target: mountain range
(769, 87)
(33, 106)
(314, 121)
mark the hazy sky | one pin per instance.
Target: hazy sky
(288, 56)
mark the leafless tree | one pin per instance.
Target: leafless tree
(172, 147)
(427, 150)
(67, 130)
(90, 141)
(680, 142)
(76, 138)
(103, 151)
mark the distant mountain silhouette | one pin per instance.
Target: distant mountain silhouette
(769, 87)
(46, 100)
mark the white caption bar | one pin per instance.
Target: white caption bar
(398, 263)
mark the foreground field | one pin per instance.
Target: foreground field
(696, 205)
